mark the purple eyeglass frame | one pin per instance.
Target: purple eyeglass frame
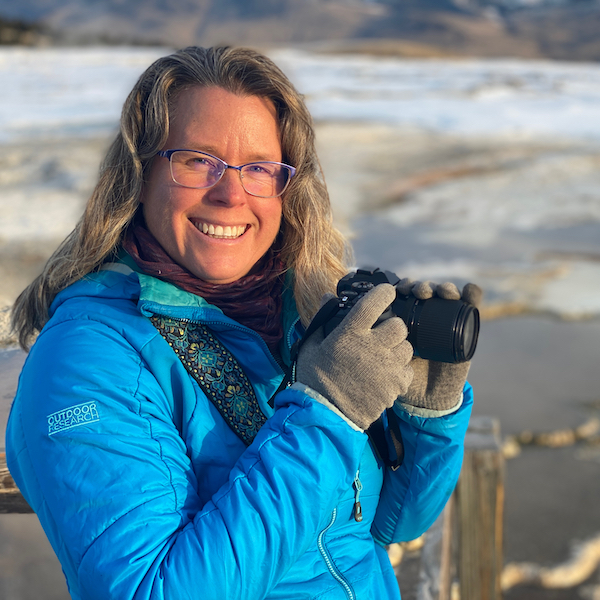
(168, 153)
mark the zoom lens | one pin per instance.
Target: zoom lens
(440, 330)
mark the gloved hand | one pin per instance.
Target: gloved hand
(437, 386)
(360, 369)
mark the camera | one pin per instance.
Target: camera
(438, 329)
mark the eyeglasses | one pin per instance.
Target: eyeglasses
(198, 170)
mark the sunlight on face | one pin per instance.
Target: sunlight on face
(219, 233)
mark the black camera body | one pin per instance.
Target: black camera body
(440, 330)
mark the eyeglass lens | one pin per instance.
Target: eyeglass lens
(198, 170)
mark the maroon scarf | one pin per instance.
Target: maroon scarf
(253, 300)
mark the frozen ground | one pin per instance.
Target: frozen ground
(483, 170)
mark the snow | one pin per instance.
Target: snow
(533, 190)
(471, 97)
(81, 89)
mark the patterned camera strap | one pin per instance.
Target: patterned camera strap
(217, 372)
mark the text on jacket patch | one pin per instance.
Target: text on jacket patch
(80, 414)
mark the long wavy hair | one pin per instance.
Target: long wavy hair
(311, 246)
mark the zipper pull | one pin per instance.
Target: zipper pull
(357, 507)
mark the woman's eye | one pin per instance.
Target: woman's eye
(260, 169)
(198, 162)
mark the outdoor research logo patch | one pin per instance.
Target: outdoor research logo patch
(80, 414)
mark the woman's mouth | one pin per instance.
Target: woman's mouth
(229, 232)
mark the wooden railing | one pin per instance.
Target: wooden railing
(462, 554)
(11, 500)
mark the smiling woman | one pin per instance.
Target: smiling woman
(150, 431)
(190, 223)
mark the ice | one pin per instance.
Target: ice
(465, 169)
(473, 97)
(66, 91)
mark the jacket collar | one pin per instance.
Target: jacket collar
(122, 279)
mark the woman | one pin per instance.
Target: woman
(142, 433)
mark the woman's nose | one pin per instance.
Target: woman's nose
(229, 189)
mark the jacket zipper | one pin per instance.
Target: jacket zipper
(288, 340)
(329, 561)
(288, 337)
(358, 517)
(331, 567)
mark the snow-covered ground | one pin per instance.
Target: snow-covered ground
(467, 96)
(73, 90)
(468, 169)
(66, 92)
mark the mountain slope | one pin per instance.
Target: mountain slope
(560, 29)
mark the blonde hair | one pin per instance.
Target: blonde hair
(311, 246)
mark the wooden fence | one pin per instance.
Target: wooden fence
(11, 500)
(462, 555)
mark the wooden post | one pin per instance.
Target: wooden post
(11, 500)
(437, 564)
(480, 503)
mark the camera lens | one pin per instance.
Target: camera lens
(440, 330)
(470, 334)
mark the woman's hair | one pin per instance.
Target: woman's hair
(310, 245)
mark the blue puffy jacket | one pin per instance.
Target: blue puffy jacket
(144, 491)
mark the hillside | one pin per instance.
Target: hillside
(565, 30)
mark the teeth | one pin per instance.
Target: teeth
(219, 231)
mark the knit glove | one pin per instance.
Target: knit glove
(359, 368)
(437, 386)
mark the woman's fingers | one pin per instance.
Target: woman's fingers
(448, 291)
(472, 294)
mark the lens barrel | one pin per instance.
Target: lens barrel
(440, 330)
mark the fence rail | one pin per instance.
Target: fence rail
(11, 500)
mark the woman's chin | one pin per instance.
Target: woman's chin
(220, 271)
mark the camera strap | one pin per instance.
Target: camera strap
(323, 316)
(380, 438)
(217, 372)
(377, 432)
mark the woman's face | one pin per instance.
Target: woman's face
(238, 130)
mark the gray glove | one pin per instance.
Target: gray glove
(359, 368)
(437, 386)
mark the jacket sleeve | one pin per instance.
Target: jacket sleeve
(119, 499)
(413, 496)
